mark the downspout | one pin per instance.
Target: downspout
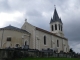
(35, 38)
(62, 46)
(2, 37)
(29, 41)
(51, 41)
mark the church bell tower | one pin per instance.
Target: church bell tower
(56, 24)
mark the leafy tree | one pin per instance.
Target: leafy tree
(71, 51)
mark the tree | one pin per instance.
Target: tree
(71, 51)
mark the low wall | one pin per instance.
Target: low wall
(10, 54)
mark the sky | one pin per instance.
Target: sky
(39, 13)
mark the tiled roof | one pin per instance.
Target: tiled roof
(14, 28)
(50, 33)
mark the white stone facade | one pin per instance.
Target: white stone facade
(37, 39)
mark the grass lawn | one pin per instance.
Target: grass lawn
(49, 59)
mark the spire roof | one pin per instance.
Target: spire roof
(55, 17)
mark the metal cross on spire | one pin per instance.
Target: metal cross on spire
(54, 6)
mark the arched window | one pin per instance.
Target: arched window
(17, 45)
(57, 43)
(52, 27)
(25, 42)
(59, 26)
(44, 40)
(55, 26)
(66, 49)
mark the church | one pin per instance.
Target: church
(35, 37)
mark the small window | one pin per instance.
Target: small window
(66, 49)
(59, 26)
(44, 40)
(55, 26)
(57, 43)
(9, 39)
(17, 45)
(52, 27)
(25, 42)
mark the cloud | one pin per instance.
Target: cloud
(76, 46)
(11, 17)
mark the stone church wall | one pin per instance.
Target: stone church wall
(16, 38)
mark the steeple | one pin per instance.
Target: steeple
(56, 25)
(55, 16)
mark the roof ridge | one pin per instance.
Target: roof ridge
(37, 28)
(14, 28)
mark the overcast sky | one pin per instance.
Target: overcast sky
(39, 13)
